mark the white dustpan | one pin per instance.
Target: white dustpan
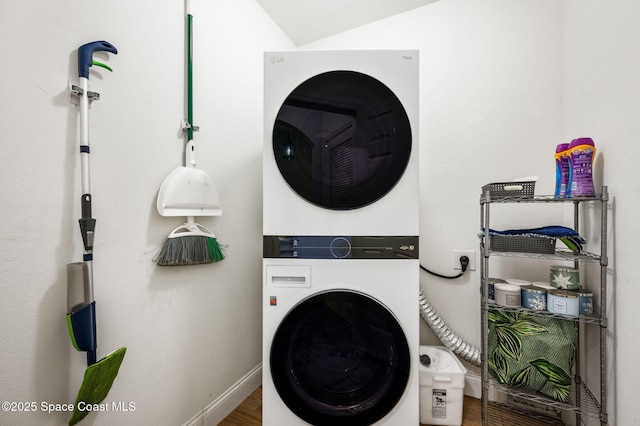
(188, 191)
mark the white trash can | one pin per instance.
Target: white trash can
(441, 386)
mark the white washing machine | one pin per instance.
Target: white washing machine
(340, 234)
(340, 342)
(341, 139)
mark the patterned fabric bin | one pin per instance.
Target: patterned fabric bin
(532, 351)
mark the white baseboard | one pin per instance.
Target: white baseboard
(222, 406)
(473, 388)
(473, 385)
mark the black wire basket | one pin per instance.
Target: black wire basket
(523, 244)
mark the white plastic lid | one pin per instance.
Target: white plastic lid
(543, 284)
(516, 281)
(442, 360)
(507, 287)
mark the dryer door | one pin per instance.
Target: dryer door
(340, 358)
(342, 140)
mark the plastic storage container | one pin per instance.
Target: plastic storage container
(441, 386)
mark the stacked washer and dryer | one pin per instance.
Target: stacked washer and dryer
(340, 233)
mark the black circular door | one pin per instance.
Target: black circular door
(342, 140)
(340, 358)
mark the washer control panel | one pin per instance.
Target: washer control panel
(340, 247)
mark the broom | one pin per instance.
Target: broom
(189, 244)
(189, 192)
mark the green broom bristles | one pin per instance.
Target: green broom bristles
(189, 250)
(214, 250)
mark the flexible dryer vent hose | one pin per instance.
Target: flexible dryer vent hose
(450, 339)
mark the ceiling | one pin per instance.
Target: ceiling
(305, 21)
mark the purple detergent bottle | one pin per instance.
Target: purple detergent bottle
(582, 152)
(562, 171)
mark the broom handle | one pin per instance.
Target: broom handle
(189, 18)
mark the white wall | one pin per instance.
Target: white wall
(191, 332)
(602, 99)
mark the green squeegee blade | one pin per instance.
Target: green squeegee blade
(96, 384)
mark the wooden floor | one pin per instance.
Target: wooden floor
(249, 413)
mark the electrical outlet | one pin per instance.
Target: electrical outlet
(471, 254)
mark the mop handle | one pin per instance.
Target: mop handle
(85, 56)
(85, 61)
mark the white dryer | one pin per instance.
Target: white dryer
(340, 234)
(340, 342)
(340, 143)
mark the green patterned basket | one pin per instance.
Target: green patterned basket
(532, 351)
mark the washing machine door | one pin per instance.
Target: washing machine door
(340, 358)
(342, 140)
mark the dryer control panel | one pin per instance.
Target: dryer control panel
(340, 247)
